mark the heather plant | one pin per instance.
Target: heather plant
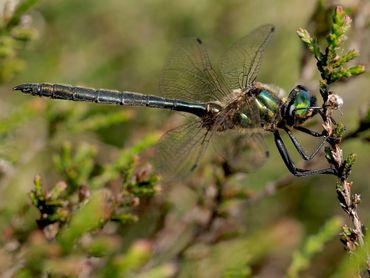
(79, 197)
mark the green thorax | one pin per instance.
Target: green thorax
(264, 108)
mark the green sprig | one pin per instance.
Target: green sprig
(50, 204)
(13, 35)
(75, 167)
(347, 164)
(331, 64)
(313, 245)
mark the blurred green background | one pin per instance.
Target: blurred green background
(123, 45)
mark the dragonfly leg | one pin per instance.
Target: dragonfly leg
(300, 149)
(290, 164)
(309, 131)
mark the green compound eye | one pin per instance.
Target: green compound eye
(298, 106)
(302, 101)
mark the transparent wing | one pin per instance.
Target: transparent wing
(241, 151)
(179, 150)
(240, 63)
(189, 75)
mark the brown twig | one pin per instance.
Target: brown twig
(332, 65)
(351, 237)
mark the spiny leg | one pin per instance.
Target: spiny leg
(290, 164)
(310, 132)
(300, 149)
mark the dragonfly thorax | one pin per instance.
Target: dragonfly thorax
(260, 109)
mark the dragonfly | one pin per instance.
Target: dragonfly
(222, 102)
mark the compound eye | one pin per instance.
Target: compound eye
(300, 101)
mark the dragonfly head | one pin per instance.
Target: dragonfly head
(299, 106)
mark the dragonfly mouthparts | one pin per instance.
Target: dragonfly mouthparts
(26, 88)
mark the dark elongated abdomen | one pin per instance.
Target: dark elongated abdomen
(67, 92)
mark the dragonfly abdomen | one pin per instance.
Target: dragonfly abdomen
(125, 98)
(66, 92)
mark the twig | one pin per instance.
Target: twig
(332, 67)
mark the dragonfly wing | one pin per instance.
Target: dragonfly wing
(240, 63)
(241, 151)
(189, 74)
(179, 150)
